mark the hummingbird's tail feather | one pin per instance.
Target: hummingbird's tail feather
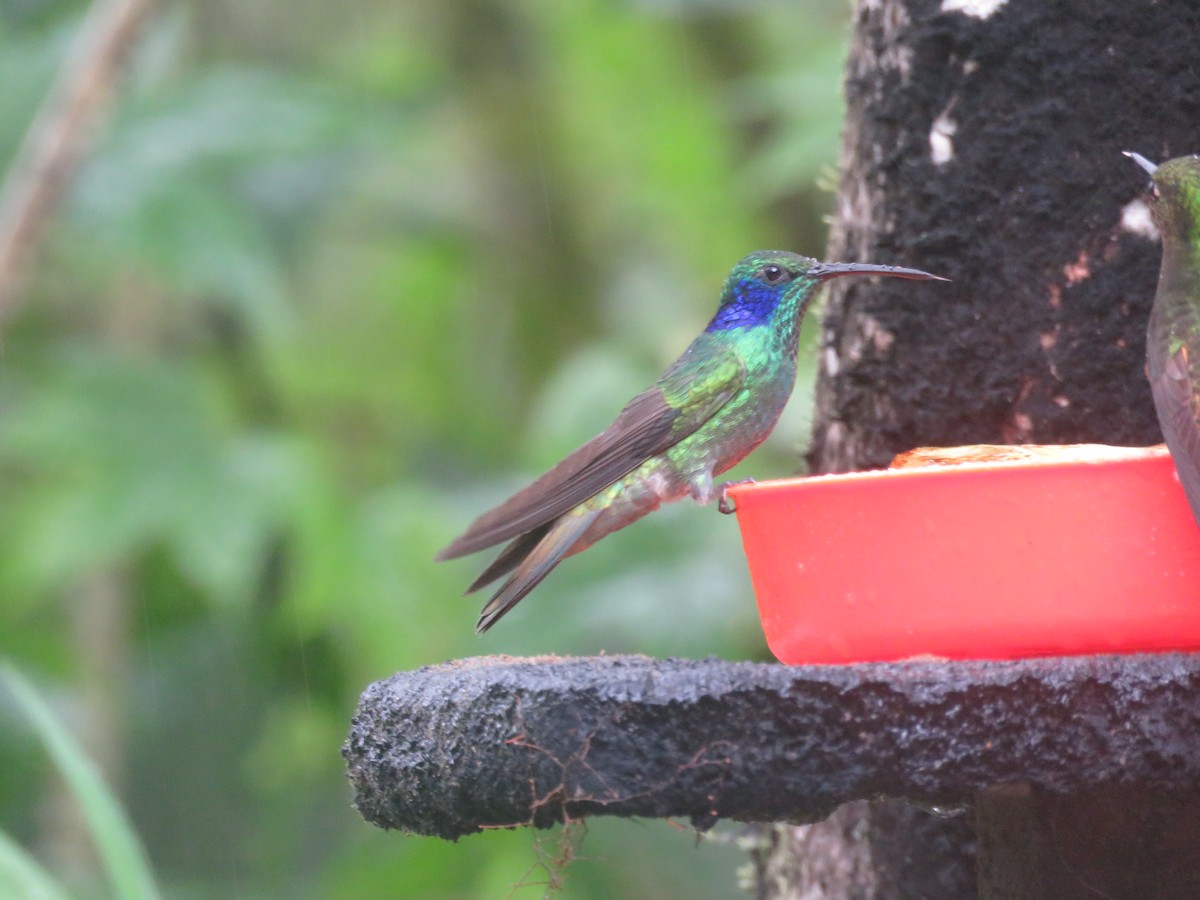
(560, 537)
(510, 557)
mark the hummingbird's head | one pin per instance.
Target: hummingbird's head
(767, 280)
(1174, 196)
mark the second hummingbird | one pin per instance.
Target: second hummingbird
(712, 406)
(1174, 332)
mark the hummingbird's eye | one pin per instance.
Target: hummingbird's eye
(773, 274)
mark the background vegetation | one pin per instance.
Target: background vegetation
(335, 277)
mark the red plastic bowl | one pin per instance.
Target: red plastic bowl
(989, 560)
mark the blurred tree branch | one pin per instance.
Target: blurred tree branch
(53, 145)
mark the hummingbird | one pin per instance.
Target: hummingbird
(710, 408)
(1174, 331)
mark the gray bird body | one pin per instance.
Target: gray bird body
(1173, 335)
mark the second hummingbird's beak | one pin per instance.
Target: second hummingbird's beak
(824, 271)
(1150, 167)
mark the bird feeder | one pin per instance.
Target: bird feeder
(976, 553)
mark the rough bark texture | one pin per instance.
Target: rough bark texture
(450, 750)
(1115, 842)
(854, 855)
(1041, 338)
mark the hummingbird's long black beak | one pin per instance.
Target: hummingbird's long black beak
(834, 270)
(1150, 167)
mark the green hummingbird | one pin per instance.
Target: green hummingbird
(1174, 331)
(711, 407)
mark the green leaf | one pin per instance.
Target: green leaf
(116, 842)
(122, 455)
(23, 877)
(201, 181)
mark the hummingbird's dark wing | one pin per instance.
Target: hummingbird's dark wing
(1174, 386)
(688, 395)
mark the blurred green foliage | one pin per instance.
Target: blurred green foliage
(335, 277)
(115, 842)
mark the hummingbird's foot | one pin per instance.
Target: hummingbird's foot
(724, 503)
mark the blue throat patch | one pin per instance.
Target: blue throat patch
(753, 305)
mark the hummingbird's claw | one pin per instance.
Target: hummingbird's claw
(725, 504)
